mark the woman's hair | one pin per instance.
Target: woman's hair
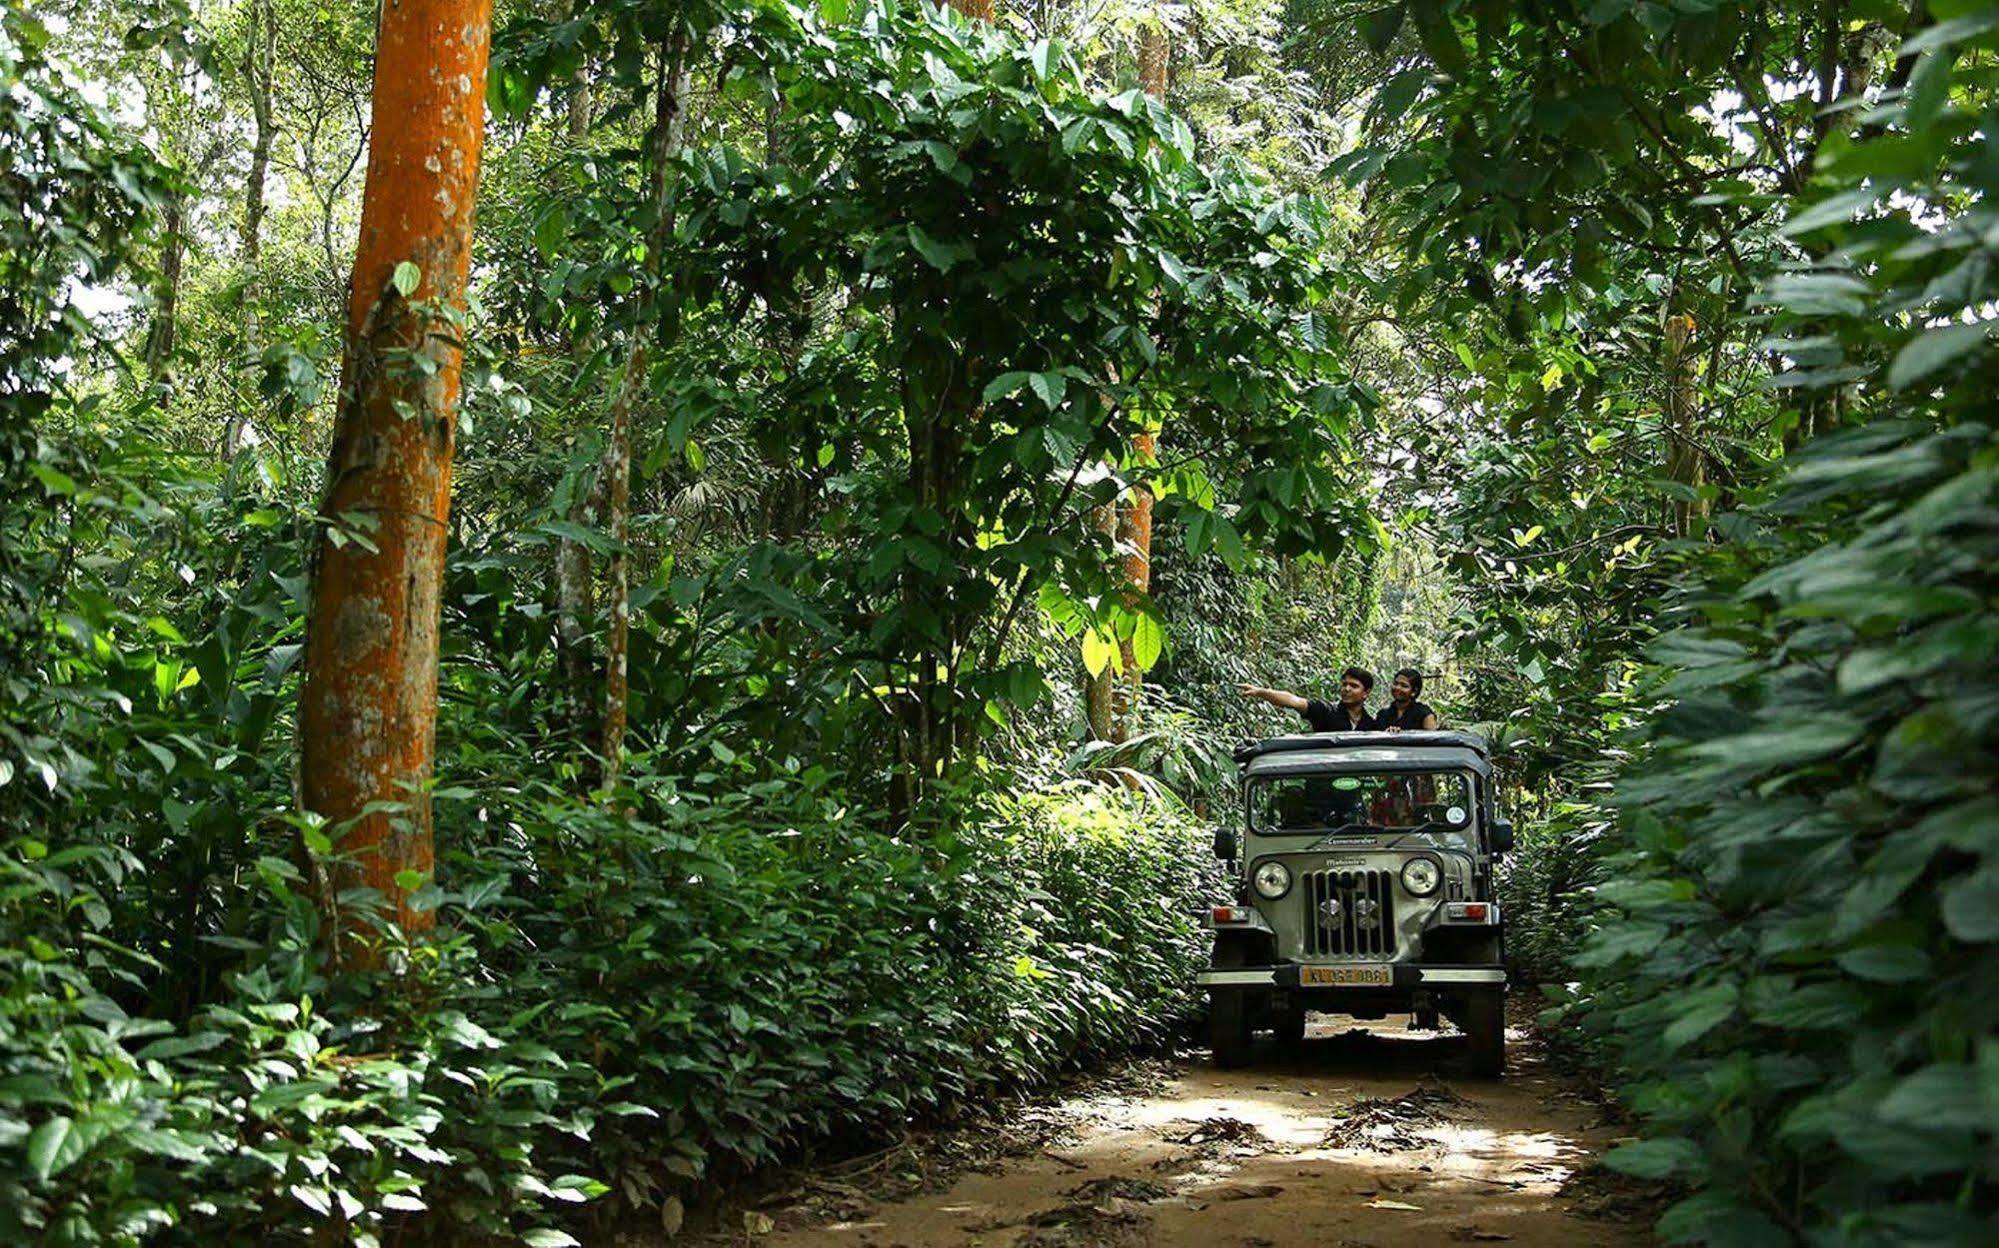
(1415, 681)
(1361, 674)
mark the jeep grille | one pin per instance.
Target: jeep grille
(1349, 914)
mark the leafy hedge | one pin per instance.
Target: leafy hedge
(631, 1002)
(1800, 983)
(1803, 987)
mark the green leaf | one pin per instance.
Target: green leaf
(54, 480)
(939, 256)
(1049, 387)
(549, 231)
(406, 278)
(1380, 26)
(1698, 1013)
(546, 1238)
(55, 1145)
(1098, 651)
(1944, 1095)
(581, 534)
(1002, 386)
(1228, 542)
(1934, 349)
(1148, 642)
(1044, 55)
(1655, 1159)
(1886, 964)
(1971, 906)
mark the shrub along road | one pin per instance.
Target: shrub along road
(1365, 1136)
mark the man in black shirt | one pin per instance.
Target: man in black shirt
(1404, 712)
(1349, 715)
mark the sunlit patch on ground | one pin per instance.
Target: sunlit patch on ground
(1365, 1134)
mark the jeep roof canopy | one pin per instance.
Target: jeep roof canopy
(1320, 752)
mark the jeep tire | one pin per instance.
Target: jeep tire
(1228, 1027)
(1484, 1024)
(1228, 1008)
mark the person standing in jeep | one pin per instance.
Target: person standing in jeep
(1403, 712)
(1348, 715)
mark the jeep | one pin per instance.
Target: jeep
(1363, 887)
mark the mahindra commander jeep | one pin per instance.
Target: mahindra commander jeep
(1364, 887)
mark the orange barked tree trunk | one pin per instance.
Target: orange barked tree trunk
(1134, 512)
(368, 711)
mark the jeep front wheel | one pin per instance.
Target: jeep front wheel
(1228, 1027)
(1229, 1008)
(1485, 1033)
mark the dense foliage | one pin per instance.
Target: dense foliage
(1624, 366)
(1800, 982)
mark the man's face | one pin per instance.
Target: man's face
(1352, 692)
(1402, 689)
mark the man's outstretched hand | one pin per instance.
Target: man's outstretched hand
(1276, 697)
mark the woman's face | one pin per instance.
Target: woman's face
(1402, 690)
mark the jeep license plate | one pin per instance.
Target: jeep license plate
(1346, 976)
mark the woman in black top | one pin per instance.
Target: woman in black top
(1403, 711)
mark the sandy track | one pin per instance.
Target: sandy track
(1366, 1136)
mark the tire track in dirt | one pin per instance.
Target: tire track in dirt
(1362, 1137)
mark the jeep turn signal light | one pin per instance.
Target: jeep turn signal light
(1229, 914)
(1466, 911)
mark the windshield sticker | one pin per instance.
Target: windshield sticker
(1347, 783)
(1455, 815)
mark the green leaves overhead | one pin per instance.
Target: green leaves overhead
(1034, 275)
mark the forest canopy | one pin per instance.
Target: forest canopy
(527, 522)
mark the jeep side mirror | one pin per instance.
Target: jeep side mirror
(1225, 844)
(1502, 835)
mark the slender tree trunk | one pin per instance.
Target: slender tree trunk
(259, 58)
(1134, 512)
(368, 711)
(662, 144)
(163, 333)
(1099, 709)
(575, 575)
(1684, 461)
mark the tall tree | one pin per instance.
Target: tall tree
(662, 145)
(1134, 510)
(260, 51)
(367, 714)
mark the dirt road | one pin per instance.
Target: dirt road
(1350, 1141)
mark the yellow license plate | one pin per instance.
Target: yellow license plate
(1345, 976)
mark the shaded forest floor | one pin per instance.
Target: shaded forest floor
(1366, 1137)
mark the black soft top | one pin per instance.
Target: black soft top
(1332, 741)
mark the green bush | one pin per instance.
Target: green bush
(1801, 984)
(628, 1001)
(1796, 975)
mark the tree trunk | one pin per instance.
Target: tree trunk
(163, 332)
(662, 144)
(368, 711)
(1134, 513)
(977, 10)
(259, 57)
(1685, 462)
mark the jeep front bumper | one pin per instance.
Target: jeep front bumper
(1407, 975)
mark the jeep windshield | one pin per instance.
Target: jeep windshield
(1395, 805)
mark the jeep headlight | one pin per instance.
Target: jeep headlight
(1420, 876)
(1272, 880)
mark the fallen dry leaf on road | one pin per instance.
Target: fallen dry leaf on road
(1242, 1191)
(1395, 1204)
(1474, 1234)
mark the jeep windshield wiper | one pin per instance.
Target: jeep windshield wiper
(1348, 829)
